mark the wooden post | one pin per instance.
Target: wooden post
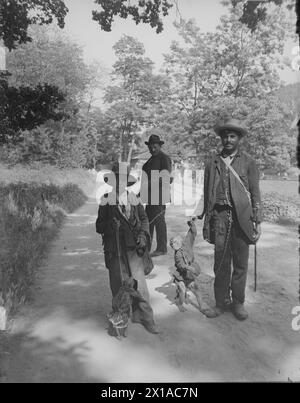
(3, 318)
(2, 57)
(3, 71)
(131, 149)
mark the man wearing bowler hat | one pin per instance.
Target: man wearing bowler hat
(156, 181)
(232, 209)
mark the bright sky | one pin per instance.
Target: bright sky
(97, 44)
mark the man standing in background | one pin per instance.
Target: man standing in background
(156, 179)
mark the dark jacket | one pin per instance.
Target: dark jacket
(130, 229)
(137, 226)
(246, 167)
(160, 162)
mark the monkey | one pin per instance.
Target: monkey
(188, 270)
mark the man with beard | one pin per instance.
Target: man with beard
(232, 216)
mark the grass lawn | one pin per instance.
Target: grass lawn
(285, 188)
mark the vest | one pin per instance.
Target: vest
(223, 196)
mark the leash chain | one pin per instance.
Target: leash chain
(230, 221)
(157, 215)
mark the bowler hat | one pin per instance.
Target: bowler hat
(153, 139)
(230, 124)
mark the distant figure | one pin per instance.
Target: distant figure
(232, 209)
(159, 162)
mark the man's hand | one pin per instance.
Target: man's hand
(192, 269)
(141, 241)
(257, 232)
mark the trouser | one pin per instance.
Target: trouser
(235, 251)
(156, 217)
(141, 308)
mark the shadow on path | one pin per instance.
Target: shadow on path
(60, 335)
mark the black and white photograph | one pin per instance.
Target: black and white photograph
(149, 194)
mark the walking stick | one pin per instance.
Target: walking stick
(255, 267)
(255, 251)
(116, 318)
(117, 234)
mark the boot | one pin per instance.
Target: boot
(151, 327)
(218, 310)
(227, 306)
(239, 311)
(210, 312)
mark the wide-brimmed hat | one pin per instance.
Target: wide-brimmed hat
(122, 170)
(230, 124)
(153, 139)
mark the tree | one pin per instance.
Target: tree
(54, 59)
(66, 143)
(107, 141)
(268, 123)
(17, 15)
(193, 68)
(256, 11)
(50, 58)
(232, 61)
(232, 72)
(145, 11)
(25, 108)
(136, 97)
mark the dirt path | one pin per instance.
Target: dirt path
(60, 336)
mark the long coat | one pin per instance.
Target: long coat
(246, 212)
(128, 264)
(130, 229)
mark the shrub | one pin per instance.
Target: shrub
(39, 174)
(30, 217)
(280, 209)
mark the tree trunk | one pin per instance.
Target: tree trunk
(120, 145)
(95, 155)
(131, 149)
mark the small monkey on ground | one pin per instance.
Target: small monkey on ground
(188, 271)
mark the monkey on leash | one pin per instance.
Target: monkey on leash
(188, 270)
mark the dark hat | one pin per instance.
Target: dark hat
(122, 169)
(230, 124)
(153, 139)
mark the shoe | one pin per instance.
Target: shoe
(157, 253)
(227, 306)
(210, 312)
(239, 311)
(151, 327)
(218, 311)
